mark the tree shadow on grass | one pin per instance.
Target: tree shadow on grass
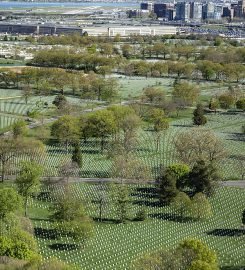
(106, 220)
(149, 203)
(93, 174)
(226, 232)
(171, 217)
(50, 234)
(43, 196)
(60, 246)
(233, 268)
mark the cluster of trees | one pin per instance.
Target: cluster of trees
(16, 232)
(44, 81)
(190, 254)
(202, 69)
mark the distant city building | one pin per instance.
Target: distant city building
(147, 6)
(241, 9)
(28, 29)
(183, 11)
(196, 11)
(208, 11)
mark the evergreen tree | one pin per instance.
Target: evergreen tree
(77, 155)
(243, 217)
(198, 116)
(202, 178)
(167, 186)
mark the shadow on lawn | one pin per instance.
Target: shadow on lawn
(233, 268)
(59, 246)
(106, 220)
(226, 232)
(93, 174)
(50, 234)
(171, 217)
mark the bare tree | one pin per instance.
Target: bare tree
(199, 144)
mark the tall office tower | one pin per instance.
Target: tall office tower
(162, 10)
(196, 11)
(146, 6)
(241, 8)
(182, 11)
(208, 10)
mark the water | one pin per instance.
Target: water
(31, 5)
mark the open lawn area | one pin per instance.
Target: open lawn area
(114, 245)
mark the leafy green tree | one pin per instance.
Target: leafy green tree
(28, 180)
(153, 95)
(213, 104)
(186, 92)
(101, 124)
(226, 101)
(160, 123)
(10, 201)
(19, 129)
(10, 148)
(167, 186)
(198, 116)
(200, 252)
(182, 204)
(203, 178)
(20, 245)
(69, 213)
(200, 207)
(66, 130)
(181, 172)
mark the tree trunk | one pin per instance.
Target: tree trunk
(26, 201)
(3, 171)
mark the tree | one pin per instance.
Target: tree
(182, 204)
(203, 178)
(198, 116)
(226, 100)
(200, 207)
(77, 155)
(201, 253)
(240, 104)
(121, 200)
(189, 254)
(185, 91)
(60, 101)
(71, 218)
(213, 104)
(181, 172)
(126, 167)
(10, 201)
(27, 92)
(19, 129)
(28, 180)
(66, 130)
(11, 148)
(153, 95)
(243, 217)
(199, 144)
(101, 124)
(167, 186)
(160, 124)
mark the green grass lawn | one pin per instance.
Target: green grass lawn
(114, 246)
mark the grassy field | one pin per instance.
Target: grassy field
(114, 245)
(131, 87)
